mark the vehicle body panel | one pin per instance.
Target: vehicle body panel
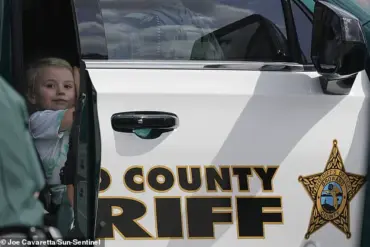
(256, 118)
(244, 114)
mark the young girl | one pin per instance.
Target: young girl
(53, 89)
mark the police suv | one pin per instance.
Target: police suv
(208, 122)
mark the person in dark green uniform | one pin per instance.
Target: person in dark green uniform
(21, 177)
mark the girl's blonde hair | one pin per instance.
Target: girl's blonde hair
(33, 69)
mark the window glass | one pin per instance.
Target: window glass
(230, 30)
(304, 30)
(5, 49)
(91, 29)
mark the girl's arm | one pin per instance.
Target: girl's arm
(67, 120)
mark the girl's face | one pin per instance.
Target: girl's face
(54, 89)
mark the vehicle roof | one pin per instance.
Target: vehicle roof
(361, 11)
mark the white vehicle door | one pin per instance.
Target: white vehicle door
(236, 142)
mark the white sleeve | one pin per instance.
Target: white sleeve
(45, 124)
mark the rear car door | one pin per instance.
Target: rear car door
(214, 126)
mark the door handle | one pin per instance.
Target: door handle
(128, 122)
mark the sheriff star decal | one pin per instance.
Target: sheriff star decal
(331, 192)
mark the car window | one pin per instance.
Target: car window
(303, 25)
(5, 51)
(230, 30)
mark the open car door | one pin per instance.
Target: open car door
(86, 144)
(87, 157)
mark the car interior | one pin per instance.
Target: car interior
(42, 28)
(42, 24)
(48, 30)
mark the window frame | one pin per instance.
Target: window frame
(2, 17)
(305, 9)
(16, 47)
(5, 41)
(291, 32)
(88, 137)
(307, 12)
(293, 43)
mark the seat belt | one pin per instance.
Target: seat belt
(45, 194)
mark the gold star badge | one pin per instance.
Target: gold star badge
(331, 192)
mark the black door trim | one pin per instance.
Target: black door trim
(17, 46)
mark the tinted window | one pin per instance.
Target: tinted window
(231, 30)
(5, 54)
(304, 29)
(91, 30)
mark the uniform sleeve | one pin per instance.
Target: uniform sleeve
(45, 124)
(20, 171)
(18, 146)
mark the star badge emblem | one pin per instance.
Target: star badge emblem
(331, 192)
